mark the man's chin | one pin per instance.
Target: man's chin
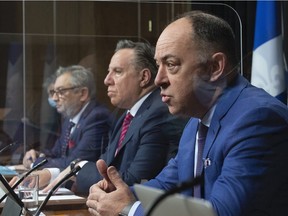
(172, 110)
(59, 110)
(177, 112)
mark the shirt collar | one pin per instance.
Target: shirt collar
(76, 118)
(206, 120)
(138, 104)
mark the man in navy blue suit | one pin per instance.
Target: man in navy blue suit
(74, 94)
(153, 134)
(246, 149)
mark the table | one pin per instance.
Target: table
(63, 205)
(71, 205)
(66, 208)
(80, 212)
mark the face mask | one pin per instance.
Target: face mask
(51, 102)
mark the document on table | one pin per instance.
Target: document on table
(18, 168)
(63, 200)
(60, 191)
(4, 170)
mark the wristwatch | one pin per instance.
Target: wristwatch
(125, 210)
(73, 163)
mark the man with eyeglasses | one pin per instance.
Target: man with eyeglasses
(74, 94)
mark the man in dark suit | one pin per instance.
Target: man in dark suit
(153, 132)
(74, 94)
(243, 164)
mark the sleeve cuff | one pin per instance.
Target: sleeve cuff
(133, 208)
(54, 173)
(130, 209)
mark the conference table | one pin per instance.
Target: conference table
(66, 209)
(80, 212)
(71, 205)
(62, 203)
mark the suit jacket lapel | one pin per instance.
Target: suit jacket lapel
(136, 122)
(115, 138)
(83, 116)
(224, 103)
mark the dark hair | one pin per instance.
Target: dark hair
(212, 34)
(144, 55)
(80, 76)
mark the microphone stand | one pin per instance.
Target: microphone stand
(65, 178)
(8, 146)
(183, 186)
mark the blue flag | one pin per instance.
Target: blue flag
(268, 58)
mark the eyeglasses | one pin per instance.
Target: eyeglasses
(61, 92)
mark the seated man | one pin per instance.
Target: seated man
(242, 158)
(87, 123)
(153, 132)
(52, 120)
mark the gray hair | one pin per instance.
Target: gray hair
(144, 55)
(49, 80)
(80, 76)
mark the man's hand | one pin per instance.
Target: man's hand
(105, 184)
(13, 180)
(110, 195)
(30, 158)
(44, 178)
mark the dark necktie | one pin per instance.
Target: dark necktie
(202, 132)
(127, 120)
(67, 138)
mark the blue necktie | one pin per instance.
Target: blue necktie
(202, 132)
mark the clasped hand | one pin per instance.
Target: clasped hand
(110, 195)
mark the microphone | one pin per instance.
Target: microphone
(183, 186)
(28, 173)
(7, 146)
(64, 179)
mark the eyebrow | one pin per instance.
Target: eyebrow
(115, 68)
(59, 87)
(164, 58)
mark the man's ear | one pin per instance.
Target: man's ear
(84, 93)
(218, 64)
(145, 77)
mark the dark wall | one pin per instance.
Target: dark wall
(85, 32)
